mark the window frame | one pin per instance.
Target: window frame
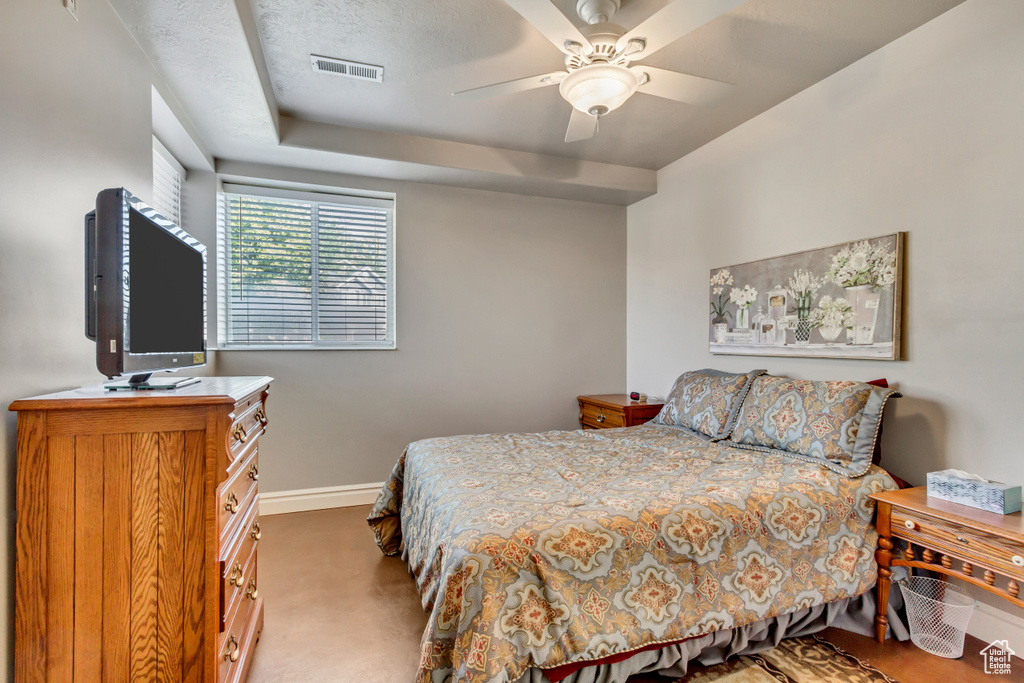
(381, 200)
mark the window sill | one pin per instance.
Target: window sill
(307, 347)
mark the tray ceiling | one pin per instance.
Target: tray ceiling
(213, 55)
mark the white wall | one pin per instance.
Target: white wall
(508, 308)
(924, 135)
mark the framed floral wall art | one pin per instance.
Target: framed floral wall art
(837, 302)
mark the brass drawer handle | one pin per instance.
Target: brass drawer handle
(235, 578)
(255, 532)
(239, 433)
(962, 540)
(1017, 560)
(260, 415)
(910, 524)
(254, 472)
(251, 591)
(232, 503)
(600, 417)
(232, 651)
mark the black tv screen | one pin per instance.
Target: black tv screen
(165, 291)
(145, 289)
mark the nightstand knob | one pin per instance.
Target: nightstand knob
(910, 524)
(600, 417)
(1017, 560)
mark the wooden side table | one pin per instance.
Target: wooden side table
(603, 411)
(955, 540)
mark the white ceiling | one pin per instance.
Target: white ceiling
(236, 67)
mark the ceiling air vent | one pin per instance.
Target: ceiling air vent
(342, 67)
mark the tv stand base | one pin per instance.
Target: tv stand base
(146, 382)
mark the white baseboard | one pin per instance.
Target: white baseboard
(301, 500)
(990, 623)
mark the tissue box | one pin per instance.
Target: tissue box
(991, 496)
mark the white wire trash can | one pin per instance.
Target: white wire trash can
(938, 612)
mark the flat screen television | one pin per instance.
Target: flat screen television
(145, 292)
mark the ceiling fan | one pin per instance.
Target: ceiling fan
(598, 77)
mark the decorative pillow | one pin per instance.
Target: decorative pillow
(876, 456)
(834, 422)
(706, 401)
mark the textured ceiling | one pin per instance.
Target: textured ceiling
(769, 50)
(200, 50)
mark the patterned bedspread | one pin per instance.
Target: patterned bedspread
(545, 549)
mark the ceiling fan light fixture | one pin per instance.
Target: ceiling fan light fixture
(599, 88)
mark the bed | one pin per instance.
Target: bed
(744, 507)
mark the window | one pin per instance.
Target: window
(304, 269)
(168, 177)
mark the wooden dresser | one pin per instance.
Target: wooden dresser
(602, 411)
(972, 545)
(137, 529)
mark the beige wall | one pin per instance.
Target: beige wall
(508, 308)
(74, 119)
(925, 136)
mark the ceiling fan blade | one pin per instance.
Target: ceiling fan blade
(508, 87)
(581, 126)
(673, 21)
(680, 87)
(550, 21)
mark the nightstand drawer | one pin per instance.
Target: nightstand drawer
(599, 416)
(988, 550)
(601, 411)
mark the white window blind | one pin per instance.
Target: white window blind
(168, 177)
(304, 269)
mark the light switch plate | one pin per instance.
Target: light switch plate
(72, 6)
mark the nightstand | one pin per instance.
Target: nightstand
(956, 540)
(603, 411)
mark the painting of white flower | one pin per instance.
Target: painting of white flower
(843, 301)
(743, 297)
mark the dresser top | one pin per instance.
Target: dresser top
(917, 499)
(207, 391)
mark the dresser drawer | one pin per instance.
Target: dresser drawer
(247, 427)
(238, 567)
(236, 643)
(235, 496)
(985, 549)
(600, 417)
(250, 637)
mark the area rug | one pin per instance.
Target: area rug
(798, 660)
